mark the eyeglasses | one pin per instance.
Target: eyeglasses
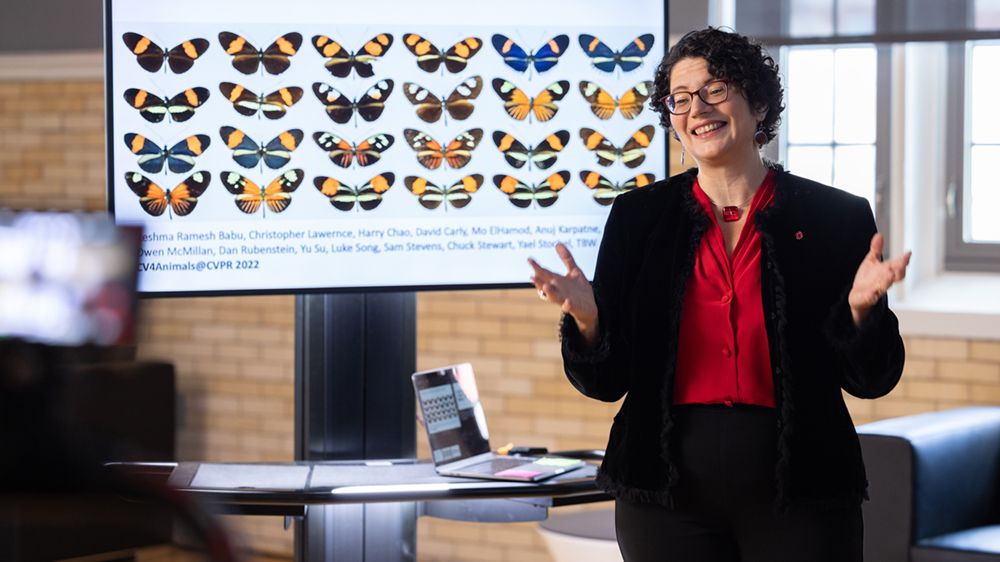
(679, 103)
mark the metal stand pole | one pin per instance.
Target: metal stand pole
(354, 400)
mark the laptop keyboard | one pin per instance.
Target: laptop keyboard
(494, 466)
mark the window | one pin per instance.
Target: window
(831, 121)
(973, 231)
(983, 187)
(846, 124)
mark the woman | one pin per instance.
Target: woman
(730, 306)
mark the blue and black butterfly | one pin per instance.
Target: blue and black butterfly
(604, 59)
(179, 158)
(247, 153)
(517, 58)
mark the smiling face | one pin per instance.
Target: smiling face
(714, 135)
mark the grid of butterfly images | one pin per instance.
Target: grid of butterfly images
(241, 122)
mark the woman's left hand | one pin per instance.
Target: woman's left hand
(874, 278)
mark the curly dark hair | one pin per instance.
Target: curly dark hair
(731, 57)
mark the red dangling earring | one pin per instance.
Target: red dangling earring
(760, 136)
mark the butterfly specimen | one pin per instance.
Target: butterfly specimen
(603, 104)
(606, 190)
(457, 195)
(340, 108)
(277, 196)
(522, 194)
(430, 57)
(458, 104)
(542, 156)
(519, 106)
(247, 153)
(150, 56)
(544, 59)
(430, 153)
(272, 106)
(247, 58)
(366, 196)
(342, 152)
(604, 59)
(179, 158)
(153, 108)
(180, 200)
(339, 61)
(631, 154)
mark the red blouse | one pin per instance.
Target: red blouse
(722, 355)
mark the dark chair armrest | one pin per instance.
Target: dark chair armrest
(936, 472)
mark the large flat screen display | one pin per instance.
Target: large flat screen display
(317, 145)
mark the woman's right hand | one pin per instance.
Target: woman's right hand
(572, 292)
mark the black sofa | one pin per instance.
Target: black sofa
(934, 482)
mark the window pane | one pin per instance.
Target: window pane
(854, 170)
(984, 194)
(811, 18)
(810, 95)
(985, 87)
(854, 96)
(987, 14)
(855, 17)
(813, 162)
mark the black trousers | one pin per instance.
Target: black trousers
(724, 510)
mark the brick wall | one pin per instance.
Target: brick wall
(234, 356)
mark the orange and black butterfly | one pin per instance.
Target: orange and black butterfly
(632, 154)
(179, 201)
(430, 57)
(458, 103)
(521, 194)
(340, 108)
(431, 154)
(272, 106)
(247, 153)
(277, 196)
(542, 156)
(606, 190)
(520, 60)
(179, 158)
(520, 106)
(603, 104)
(366, 196)
(247, 58)
(342, 152)
(457, 195)
(150, 56)
(604, 58)
(340, 61)
(153, 108)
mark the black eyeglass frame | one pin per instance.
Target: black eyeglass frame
(702, 93)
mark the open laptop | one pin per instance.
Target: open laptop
(456, 428)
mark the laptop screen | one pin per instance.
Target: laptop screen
(452, 414)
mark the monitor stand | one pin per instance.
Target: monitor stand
(354, 354)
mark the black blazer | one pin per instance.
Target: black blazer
(813, 237)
